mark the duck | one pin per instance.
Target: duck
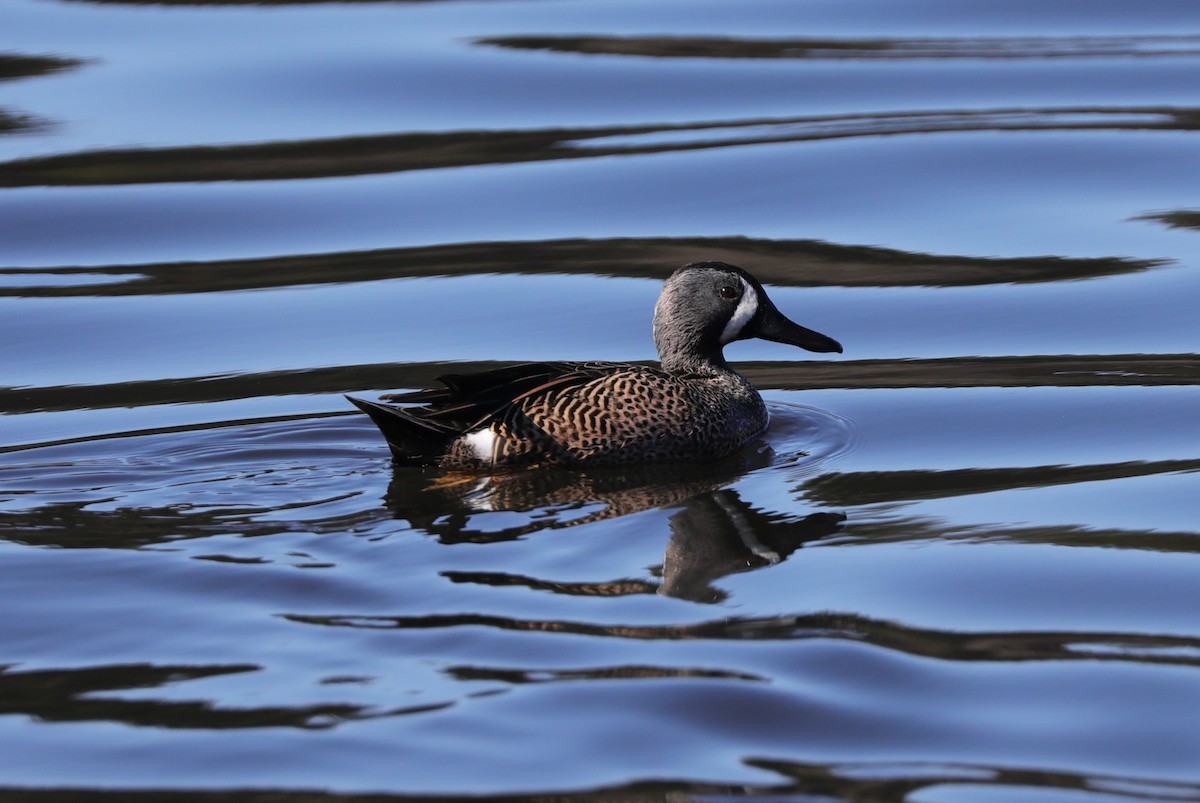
(693, 407)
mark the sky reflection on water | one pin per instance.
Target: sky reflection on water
(959, 565)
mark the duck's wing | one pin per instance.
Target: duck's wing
(423, 434)
(469, 400)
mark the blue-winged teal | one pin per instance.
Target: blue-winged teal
(695, 407)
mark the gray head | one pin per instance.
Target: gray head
(706, 305)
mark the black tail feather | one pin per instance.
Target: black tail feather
(412, 440)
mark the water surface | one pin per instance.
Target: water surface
(961, 565)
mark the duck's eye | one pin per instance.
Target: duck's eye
(728, 292)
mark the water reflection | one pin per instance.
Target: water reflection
(229, 482)
(897, 781)
(714, 535)
(779, 262)
(12, 122)
(72, 525)
(904, 528)
(1098, 370)
(75, 695)
(948, 645)
(252, 2)
(147, 573)
(873, 487)
(458, 508)
(14, 66)
(714, 532)
(994, 47)
(719, 534)
(392, 153)
(890, 492)
(524, 676)
(622, 587)
(804, 782)
(22, 66)
(1177, 219)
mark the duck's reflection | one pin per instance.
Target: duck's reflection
(459, 508)
(718, 534)
(714, 532)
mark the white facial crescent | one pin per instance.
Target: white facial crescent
(746, 309)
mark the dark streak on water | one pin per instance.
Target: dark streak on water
(402, 152)
(961, 565)
(1025, 47)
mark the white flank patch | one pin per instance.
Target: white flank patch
(483, 444)
(742, 315)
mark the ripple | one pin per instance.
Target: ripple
(132, 491)
(997, 47)
(320, 473)
(395, 153)
(806, 437)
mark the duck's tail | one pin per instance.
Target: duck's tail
(413, 440)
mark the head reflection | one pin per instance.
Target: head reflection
(718, 534)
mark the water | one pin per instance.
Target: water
(960, 566)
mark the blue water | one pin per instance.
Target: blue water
(959, 567)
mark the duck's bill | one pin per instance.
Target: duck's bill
(774, 326)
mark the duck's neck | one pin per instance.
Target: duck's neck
(687, 346)
(680, 366)
(690, 359)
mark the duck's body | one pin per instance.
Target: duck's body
(598, 414)
(593, 414)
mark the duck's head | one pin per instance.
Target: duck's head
(706, 305)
